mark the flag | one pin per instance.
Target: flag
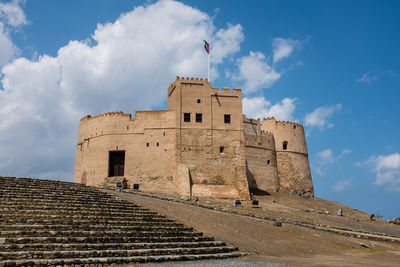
(207, 46)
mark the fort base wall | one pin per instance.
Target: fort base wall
(294, 172)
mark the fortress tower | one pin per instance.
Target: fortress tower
(201, 145)
(291, 154)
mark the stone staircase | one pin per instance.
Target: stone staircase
(44, 222)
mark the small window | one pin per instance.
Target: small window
(198, 101)
(268, 161)
(221, 149)
(294, 126)
(199, 117)
(163, 133)
(285, 145)
(186, 117)
(147, 144)
(158, 144)
(227, 118)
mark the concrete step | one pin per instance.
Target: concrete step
(56, 223)
(85, 223)
(61, 217)
(105, 246)
(57, 197)
(17, 208)
(82, 212)
(107, 221)
(78, 202)
(63, 204)
(103, 239)
(120, 260)
(48, 191)
(137, 227)
(19, 255)
(115, 233)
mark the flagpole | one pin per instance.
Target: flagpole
(208, 67)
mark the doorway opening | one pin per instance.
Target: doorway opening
(116, 163)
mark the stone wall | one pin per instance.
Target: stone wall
(261, 166)
(148, 142)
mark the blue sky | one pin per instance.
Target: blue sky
(331, 65)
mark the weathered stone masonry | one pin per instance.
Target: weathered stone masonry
(201, 145)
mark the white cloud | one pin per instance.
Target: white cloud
(127, 65)
(228, 44)
(346, 151)
(282, 48)
(259, 107)
(319, 117)
(11, 17)
(340, 186)
(325, 158)
(12, 14)
(7, 49)
(387, 169)
(256, 73)
(367, 78)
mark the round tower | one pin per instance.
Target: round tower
(291, 155)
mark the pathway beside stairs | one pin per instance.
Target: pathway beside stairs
(45, 222)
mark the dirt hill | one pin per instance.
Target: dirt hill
(312, 233)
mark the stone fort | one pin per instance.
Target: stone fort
(202, 145)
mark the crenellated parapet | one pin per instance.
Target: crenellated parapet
(107, 114)
(289, 136)
(110, 123)
(255, 136)
(283, 123)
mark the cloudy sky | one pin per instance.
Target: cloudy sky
(331, 65)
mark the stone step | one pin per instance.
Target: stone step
(120, 260)
(81, 224)
(115, 233)
(46, 222)
(64, 205)
(57, 197)
(42, 182)
(63, 201)
(105, 246)
(62, 217)
(17, 208)
(33, 228)
(103, 239)
(19, 255)
(7, 188)
(66, 212)
(108, 221)
(47, 191)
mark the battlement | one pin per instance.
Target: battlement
(255, 123)
(106, 114)
(282, 122)
(226, 91)
(190, 79)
